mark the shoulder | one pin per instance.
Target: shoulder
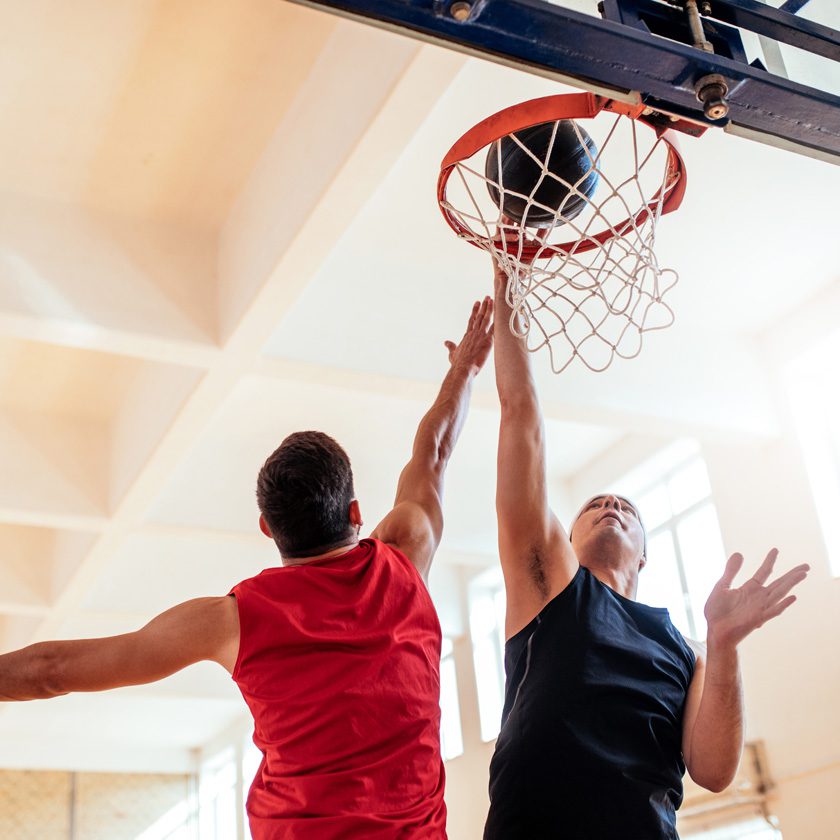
(379, 546)
(219, 613)
(393, 554)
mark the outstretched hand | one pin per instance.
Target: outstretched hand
(474, 348)
(732, 614)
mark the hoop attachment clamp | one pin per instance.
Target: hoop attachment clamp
(712, 91)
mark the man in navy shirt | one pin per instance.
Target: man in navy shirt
(605, 703)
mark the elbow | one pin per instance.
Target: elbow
(50, 673)
(523, 402)
(714, 780)
(716, 785)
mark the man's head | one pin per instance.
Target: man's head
(608, 532)
(305, 495)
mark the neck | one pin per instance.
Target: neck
(332, 552)
(623, 581)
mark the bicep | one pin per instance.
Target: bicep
(692, 702)
(202, 629)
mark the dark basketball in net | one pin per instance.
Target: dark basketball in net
(555, 168)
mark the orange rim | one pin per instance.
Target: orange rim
(549, 109)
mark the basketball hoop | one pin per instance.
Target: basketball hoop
(586, 284)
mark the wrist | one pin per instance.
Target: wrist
(720, 643)
(465, 368)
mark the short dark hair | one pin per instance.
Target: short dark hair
(304, 491)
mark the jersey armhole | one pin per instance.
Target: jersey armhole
(235, 673)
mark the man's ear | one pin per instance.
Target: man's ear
(264, 528)
(355, 514)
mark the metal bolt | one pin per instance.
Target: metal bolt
(695, 24)
(706, 8)
(711, 90)
(460, 10)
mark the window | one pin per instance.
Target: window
(758, 828)
(176, 824)
(217, 796)
(816, 410)
(685, 548)
(451, 739)
(251, 760)
(212, 814)
(487, 630)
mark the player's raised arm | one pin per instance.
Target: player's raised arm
(415, 524)
(537, 558)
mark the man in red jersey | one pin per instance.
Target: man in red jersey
(336, 651)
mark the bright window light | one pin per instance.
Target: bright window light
(815, 402)
(175, 824)
(217, 796)
(757, 828)
(685, 548)
(660, 582)
(451, 738)
(689, 485)
(703, 558)
(487, 630)
(251, 760)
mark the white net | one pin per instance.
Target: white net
(583, 283)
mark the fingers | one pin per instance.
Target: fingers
(478, 337)
(505, 238)
(486, 315)
(733, 566)
(779, 608)
(542, 234)
(766, 567)
(473, 315)
(507, 229)
(779, 588)
(481, 318)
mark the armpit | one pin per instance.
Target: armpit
(537, 571)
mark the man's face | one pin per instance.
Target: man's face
(609, 524)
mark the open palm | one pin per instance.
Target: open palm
(732, 614)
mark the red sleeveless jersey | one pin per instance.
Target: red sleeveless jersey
(339, 663)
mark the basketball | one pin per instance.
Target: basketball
(567, 156)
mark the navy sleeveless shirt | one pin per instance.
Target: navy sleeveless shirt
(591, 740)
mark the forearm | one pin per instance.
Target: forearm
(514, 378)
(30, 673)
(717, 737)
(441, 426)
(521, 485)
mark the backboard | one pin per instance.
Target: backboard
(769, 71)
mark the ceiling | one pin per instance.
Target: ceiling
(218, 225)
